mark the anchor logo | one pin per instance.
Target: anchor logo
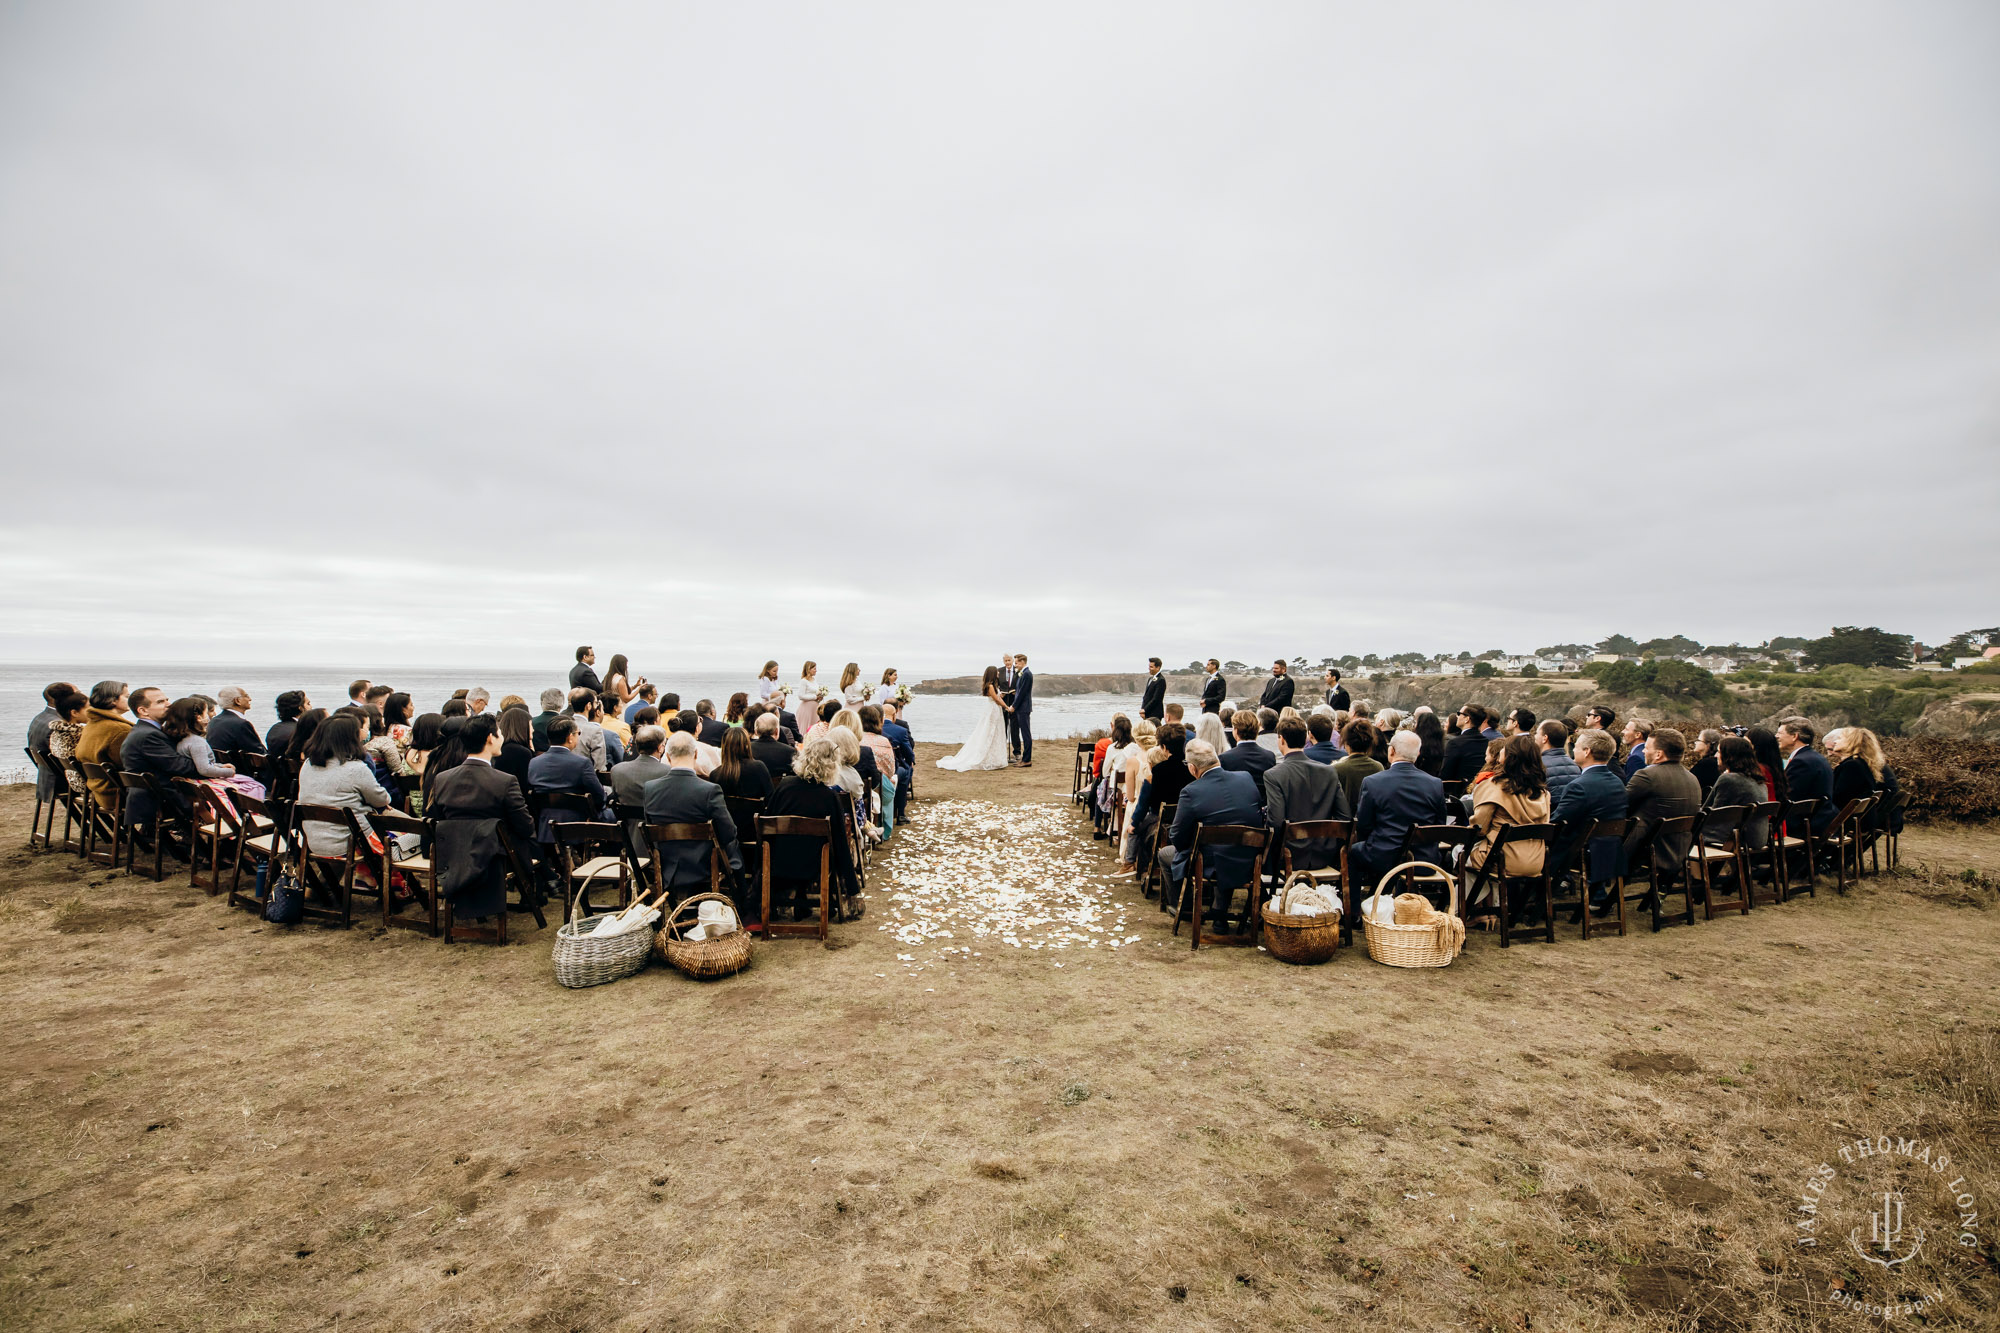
(1885, 1233)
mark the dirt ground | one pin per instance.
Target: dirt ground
(211, 1123)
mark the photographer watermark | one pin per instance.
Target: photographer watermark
(1889, 1199)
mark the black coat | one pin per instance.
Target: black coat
(147, 749)
(1278, 693)
(753, 780)
(1336, 698)
(230, 732)
(583, 677)
(1464, 756)
(713, 729)
(1809, 775)
(794, 858)
(514, 759)
(1153, 703)
(775, 756)
(468, 802)
(1212, 692)
(1249, 757)
(685, 797)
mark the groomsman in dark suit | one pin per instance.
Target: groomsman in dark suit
(1336, 693)
(1213, 688)
(1278, 689)
(1153, 703)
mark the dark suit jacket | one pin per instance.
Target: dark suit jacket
(469, 794)
(230, 732)
(1392, 802)
(1024, 694)
(1464, 756)
(513, 760)
(538, 729)
(684, 797)
(147, 749)
(1593, 794)
(775, 756)
(1325, 752)
(278, 739)
(1212, 692)
(1153, 702)
(1297, 789)
(562, 769)
(1808, 774)
(1252, 758)
(1337, 698)
(582, 677)
(900, 740)
(1216, 797)
(792, 858)
(711, 730)
(1656, 793)
(1278, 693)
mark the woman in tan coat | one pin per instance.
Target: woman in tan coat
(1517, 794)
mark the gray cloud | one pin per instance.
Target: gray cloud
(1101, 331)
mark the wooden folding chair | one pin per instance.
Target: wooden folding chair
(1080, 784)
(331, 875)
(43, 766)
(1152, 872)
(163, 828)
(1658, 885)
(798, 826)
(76, 806)
(1892, 816)
(106, 822)
(419, 873)
(1797, 837)
(1578, 865)
(1705, 858)
(1493, 871)
(217, 828)
(659, 836)
(603, 863)
(1454, 801)
(1338, 832)
(1843, 836)
(519, 871)
(259, 847)
(744, 812)
(1194, 887)
(1440, 845)
(1766, 857)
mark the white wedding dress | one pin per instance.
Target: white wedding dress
(986, 747)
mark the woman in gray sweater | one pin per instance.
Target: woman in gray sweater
(335, 774)
(186, 724)
(1741, 782)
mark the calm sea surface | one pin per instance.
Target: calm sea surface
(932, 717)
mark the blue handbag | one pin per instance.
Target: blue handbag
(287, 904)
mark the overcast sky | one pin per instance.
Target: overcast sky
(418, 333)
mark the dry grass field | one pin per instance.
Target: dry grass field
(211, 1123)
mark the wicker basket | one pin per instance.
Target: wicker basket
(1412, 946)
(592, 960)
(1299, 939)
(703, 959)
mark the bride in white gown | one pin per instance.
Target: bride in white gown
(987, 746)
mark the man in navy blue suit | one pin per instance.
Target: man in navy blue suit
(1024, 704)
(1595, 793)
(1807, 774)
(1246, 756)
(1216, 796)
(1393, 801)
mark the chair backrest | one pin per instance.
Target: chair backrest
(574, 802)
(580, 832)
(303, 813)
(1798, 816)
(1526, 833)
(1723, 819)
(1455, 788)
(1230, 835)
(744, 812)
(395, 821)
(671, 832)
(1850, 813)
(1315, 830)
(1433, 836)
(793, 826)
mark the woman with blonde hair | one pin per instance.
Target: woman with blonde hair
(1860, 771)
(1137, 766)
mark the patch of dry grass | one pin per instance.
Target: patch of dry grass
(310, 1127)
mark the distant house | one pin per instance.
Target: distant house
(1715, 662)
(1604, 657)
(1992, 652)
(1453, 668)
(1961, 663)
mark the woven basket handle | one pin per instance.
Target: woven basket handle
(674, 925)
(1423, 870)
(1292, 881)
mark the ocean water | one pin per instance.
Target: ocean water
(947, 718)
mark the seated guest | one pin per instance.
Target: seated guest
(552, 705)
(455, 707)
(1297, 790)
(848, 747)
(186, 724)
(383, 752)
(1517, 722)
(1176, 714)
(584, 710)
(471, 870)
(1215, 796)
(899, 763)
(1430, 731)
(476, 699)
(899, 735)
(768, 750)
(230, 730)
(1133, 766)
(1807, 773)
(38, 734)
(683, 796)
(1706, 763)
(1166, 776)
(711, 727)
(67, 730)
(809, 791)
(1246, 756)
(399, 711)
(563, 768)
(1740, 782)
(1600, 717)
(105, 728)
(1594, 794)
(148, 749)
(1553, 736)
(646, 696)
(1466, 752)
(291, 706)
(517, 746)
(1392, 803)
(1491, 766)
(629, 779)
(864, 764)
(1860, 771)
(1210, 730)
(1517, 794)
(736, 772)
(617, 733)
(1636, 733)
(1360, 763)
(1387, 723)
(1267, 730)
(686, 723)
(1770, 762)
(426, 740)
(732, 714)
(1660, 791)
(870, 718)
(1324, 748)
(335, 774)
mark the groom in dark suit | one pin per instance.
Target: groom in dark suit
(1153, 703)
(1008, 676)
(1024, 702)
